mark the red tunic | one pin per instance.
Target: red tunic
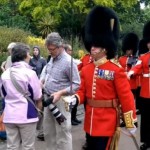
(106, 81)
(85, 61)
(123, 62)
(143, 66)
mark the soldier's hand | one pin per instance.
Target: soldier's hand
(129, 74)
(134, 129)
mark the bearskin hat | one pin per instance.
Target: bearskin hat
(130, 42)
(146, 32)
(142, 47)
(146, 38)
(101, 29)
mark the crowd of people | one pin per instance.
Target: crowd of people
(43, 95)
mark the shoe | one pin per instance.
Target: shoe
(138, 112)
(74, 123)
(144, 146)
(76, 120)
(122, 124)
(41, 138)
(84, 147)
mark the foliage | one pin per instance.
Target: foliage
(11, 17)
(67, 17)
(9, 35)
(46, 25)
(68, 14)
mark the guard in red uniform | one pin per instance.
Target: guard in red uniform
(129, 48)
(85, 60)
(143, 66)
(142, 47)
(104, 85)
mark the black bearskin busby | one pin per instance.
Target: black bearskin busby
(146, 32)
(146, 39)
(101, 29)
(130, 42)
(142, 47)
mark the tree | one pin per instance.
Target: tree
(46, 25)
(69, 13)
(11, 17)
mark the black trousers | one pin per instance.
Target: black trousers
(138, 98)
(96, 143)
(145, 120)
(74, 113)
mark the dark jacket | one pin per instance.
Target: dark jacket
(38, 63)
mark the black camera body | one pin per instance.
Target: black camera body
(47, 100)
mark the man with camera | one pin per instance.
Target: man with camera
(61, 79)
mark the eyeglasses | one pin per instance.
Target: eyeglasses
(52, 49)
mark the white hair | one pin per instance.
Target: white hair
(11, 46)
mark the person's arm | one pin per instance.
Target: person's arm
(75, 79)
(43, 62)
(34, 82)
(126, 98)
(39, 104)
(43, 75)
(136, 70)
(3, 66)
(37, 90)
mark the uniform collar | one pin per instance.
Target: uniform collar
(101, 61)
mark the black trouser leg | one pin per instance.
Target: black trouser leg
(145, 120)
(97, 143)
(74, 113)
(138, 98)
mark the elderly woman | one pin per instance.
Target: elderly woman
(20, 115)
(6, 64)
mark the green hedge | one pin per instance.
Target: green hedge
(8, 35)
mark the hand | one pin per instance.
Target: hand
(3, 69)
(133, 130)
(61, 119)
(57, 96)
(129, 74)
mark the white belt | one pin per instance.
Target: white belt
(147, 75)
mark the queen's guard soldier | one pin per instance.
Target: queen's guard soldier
(143, 66)
(104, 85)
(129, 48)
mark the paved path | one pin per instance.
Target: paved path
(125, 143)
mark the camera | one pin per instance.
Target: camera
(47, 100)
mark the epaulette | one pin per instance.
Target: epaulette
(122, 56)
(84, 56)
(146, 53)
(115, 61)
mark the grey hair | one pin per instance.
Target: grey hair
(11, 45)
(67, 46)
(19, 52)
(54, 38)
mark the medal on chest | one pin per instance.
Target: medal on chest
(105, 74)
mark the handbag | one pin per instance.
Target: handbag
(20, 90)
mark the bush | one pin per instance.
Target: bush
(9, 35)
